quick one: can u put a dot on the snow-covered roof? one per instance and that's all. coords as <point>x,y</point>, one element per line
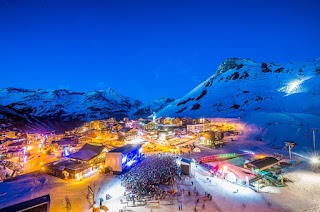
<point>125,129</point>
<point>127,148</point>
<point>87,152</point>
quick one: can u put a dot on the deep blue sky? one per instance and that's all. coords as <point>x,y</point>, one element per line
<point>146,49</point>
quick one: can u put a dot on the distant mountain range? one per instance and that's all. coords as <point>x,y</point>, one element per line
<point>65,109</point>
<point>276,97</point>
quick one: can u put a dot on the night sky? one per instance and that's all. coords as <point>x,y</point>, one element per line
<point>146,49</point>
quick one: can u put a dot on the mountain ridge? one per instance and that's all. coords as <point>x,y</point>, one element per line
<point>49,109</point>
<point>238,88</point>
<point>239,80</point>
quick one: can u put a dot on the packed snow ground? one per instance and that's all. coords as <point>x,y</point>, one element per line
<point>301,194</point>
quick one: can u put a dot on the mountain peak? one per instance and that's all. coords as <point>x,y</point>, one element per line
<point>233,63</point>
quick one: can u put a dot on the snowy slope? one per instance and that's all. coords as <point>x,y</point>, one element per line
<point>152,106</point>
<point>51,108</point>
<point>282,101</point>
<point>244,85</point>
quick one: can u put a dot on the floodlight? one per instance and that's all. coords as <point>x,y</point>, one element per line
<point>314,160</point>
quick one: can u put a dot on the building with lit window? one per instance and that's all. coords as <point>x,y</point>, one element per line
<point>84,163</point>
<point>196,128</point>
<point>122,158</point>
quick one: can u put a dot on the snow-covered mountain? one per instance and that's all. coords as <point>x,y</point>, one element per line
<point>281,100</point>
<point>244,85</point>
<point>49,109</point>
<point>154,106</point>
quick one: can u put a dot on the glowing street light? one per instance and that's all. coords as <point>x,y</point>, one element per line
<point>315,160</point>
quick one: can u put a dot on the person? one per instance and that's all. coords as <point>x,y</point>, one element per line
<point>203,206</point>
<point>191,183</point>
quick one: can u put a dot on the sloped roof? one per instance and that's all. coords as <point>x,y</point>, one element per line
<point>127,148</point>
<point>64,141</point>
<point>126,129</point>
<point>87,152</point>
<point>263,162</point>
<point>19,143</point>
<point>185,160</point>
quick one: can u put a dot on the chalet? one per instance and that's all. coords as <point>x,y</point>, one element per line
<point>13,142</point>
<point>111,121</point>
<point>85,139</point>
<point>196,128</point>
<point>116,127</point>
<point>177,122</point>
<point>160,120</point>
<point>94,125</point>
<point>186,121</point>
<point>81,164</point>
<point>90,153</point>
<point>163,135</point>
<point>92,133</point>
<point>168,121</point>
<point>150,125</point>
<point>129,133</point>
<point>64,142</point>
<point>103,124</point>
<point>15,145</point>
<point>11,134</point>
<point>201,121</point>
<point>106,132</point>
<point>68,169</point>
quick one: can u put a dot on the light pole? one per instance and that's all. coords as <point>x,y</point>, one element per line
<point>290,145</point>
<point>314,137</point>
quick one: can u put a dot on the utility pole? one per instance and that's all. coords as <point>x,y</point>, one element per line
<point>314,137</point>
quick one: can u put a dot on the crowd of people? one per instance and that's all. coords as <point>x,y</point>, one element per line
<point>152,177</point>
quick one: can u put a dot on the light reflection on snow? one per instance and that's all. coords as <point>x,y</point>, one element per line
<point>294,86</point>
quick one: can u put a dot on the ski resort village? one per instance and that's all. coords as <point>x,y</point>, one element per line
<point>159,106</point>
<point>158,164</point>
<point>245,139</point>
